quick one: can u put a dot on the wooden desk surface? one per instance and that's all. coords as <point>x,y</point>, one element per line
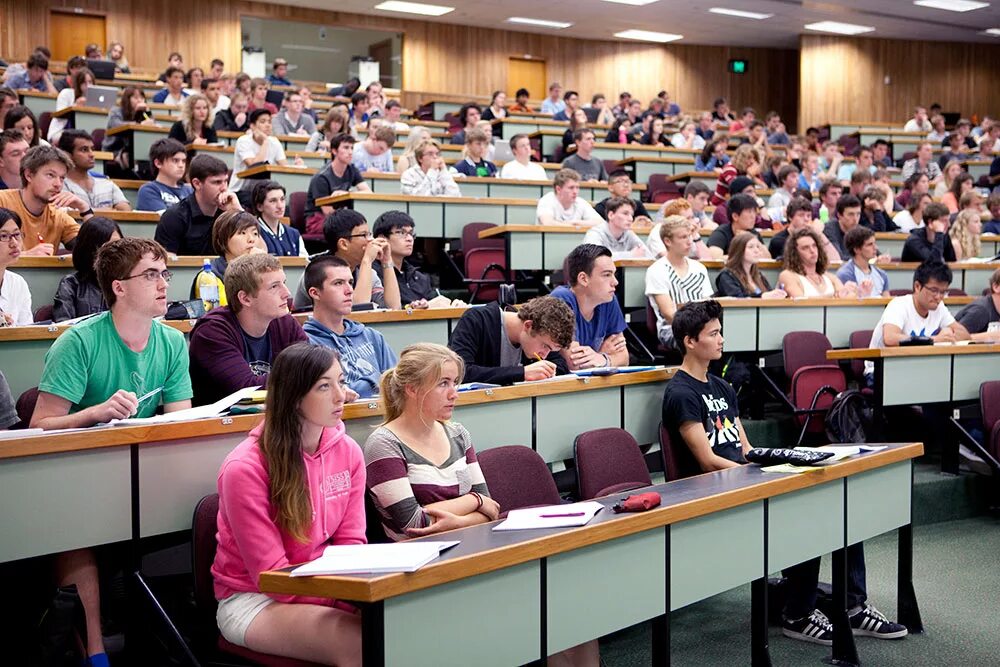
<point>136,127</point>
<point>383,176</point>
<point>123,216</point>
<point>501,230</point>
<point>936,350</point>
<point>678,155</point>
<point>50,443</point>
<point>68,111</point>
<point>31,92</point>
<point>367,196</point>
<point>263,169</point>
<point>481,550</point>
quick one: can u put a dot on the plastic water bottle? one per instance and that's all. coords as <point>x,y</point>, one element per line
<point>824,214</point>
<point>208,286</point>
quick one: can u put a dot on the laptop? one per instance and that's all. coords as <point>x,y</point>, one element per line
<point>104,70</point>
<point>275,97</point>
<point>502,152</point>
<point>101,97</point>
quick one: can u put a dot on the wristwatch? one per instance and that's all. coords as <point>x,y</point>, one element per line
<point>607,360</point>
<point>89,211</point>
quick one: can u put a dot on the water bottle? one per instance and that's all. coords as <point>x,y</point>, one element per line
<point>622,138</point>
<point>824,214</point>
<point>208,286</point>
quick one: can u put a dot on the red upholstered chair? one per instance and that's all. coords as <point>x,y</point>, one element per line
<point>44,313</point>
<point>900,292</point>
<point>203,545</point>
<point>44,120</point>
<point>813,380</point>
<point>989,404</point>
<point>678,461</point>
<point>485,263</point>
<point>857,340</point>
<point>517,477</point>
<point>659,189</point>
<point>297,210</point>
<point>956,291</point>
<point>25,406</point>
<point>608,460</point>
<point>98,137</point>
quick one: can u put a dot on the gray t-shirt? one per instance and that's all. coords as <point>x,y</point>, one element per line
<point>590,170</point>
<point>976,316</point>
<point>8,415</point>
<point>509,354</point>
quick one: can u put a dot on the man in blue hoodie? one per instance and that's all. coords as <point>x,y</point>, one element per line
<point>364,353</point>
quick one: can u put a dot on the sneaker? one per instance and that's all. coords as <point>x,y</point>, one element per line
<point>815,628</point>
<point>870,622</point>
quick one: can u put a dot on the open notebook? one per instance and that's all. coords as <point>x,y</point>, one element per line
<point>373,558</point>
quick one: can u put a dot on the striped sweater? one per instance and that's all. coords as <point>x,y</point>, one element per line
<point>401,481</point>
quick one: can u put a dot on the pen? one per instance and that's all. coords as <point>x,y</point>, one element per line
<point>559,516</point>
<point>149,394</point>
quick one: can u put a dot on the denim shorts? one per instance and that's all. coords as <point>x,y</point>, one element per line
<point>236,613</point>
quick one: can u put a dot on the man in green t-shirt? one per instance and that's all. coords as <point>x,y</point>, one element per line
<point>115,365</point>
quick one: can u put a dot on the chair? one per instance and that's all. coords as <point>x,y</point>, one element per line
<point>610,165</point>
<point>989,404</point>
<point>44,120</point>
<point>659,189</point>
<point>859,339</point>
<point>900,292</point>
<point>678,462</point>
<point>485,262</point>
<point>956,291</point>
<point>517,477</point>
<point>25,406</point>
<point>608,460</point>
<point>297,211</point>
<point>44,313</point>
<point>203,545</point>
<point>98,137</point>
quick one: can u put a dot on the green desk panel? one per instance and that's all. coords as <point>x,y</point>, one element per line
<point>560,418</point>
<point>400,334</point>
<point>974,281</point>
<point>131,193</point>
<point>776,322</point>
<point>23,361</point>
<point>716,552</point>
<point>970,371</point>
<point>588,597</point>
<point>500,423</point>
<point>878,501</point>
<point>456,216</point>
<point>507,628</point>
<point>643,411</point>
<point>525,251</point>
<point>472,189</point>
<point>428,217</point>
<point>88,122</point>
<point>841,321</point>
<point>516,190</point>
<point>360,429</point>
<point>739,328</point>
<point>633,287</point>
<point>805,523</point>
<point>39,105</point>
<point>520,214</point>
<point>77,499</point>
<point>138,228</point>
<point>557,247</point>
<point>913,380</point>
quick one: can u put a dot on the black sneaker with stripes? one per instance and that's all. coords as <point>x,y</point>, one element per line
<point>870,622</point>
<point>815,628</point>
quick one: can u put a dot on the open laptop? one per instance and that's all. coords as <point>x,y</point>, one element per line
<point>502,152</point>
<point>101,97</point>
<point>104,70</point>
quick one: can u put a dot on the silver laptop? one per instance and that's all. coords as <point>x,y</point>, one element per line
<point>502,152</point>
<point>102,97</point>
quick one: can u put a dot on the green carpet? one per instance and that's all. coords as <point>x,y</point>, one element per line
<point>956,567</point>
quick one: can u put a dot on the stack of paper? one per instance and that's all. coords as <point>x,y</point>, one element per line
<point>373,558</point>
<point>551,516</point>
<point>200,412</point>
<point>840,452</point>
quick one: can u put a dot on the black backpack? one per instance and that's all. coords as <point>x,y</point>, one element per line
<point>851,418</point>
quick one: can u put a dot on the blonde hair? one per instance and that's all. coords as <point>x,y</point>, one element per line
<point>419,366</point>
<point>672,224</point>
<point>959,232</point>
<point>187,115</point>
<point>744,156</point>
<point>423,147</point>
<point>243,275</point>
<point>418,135</point>
<point>675,207</point>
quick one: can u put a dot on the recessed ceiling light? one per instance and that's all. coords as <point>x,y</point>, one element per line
<point>558,25</point>
<point>649,36</point>
<point>414,8</point>
<point>952,5</point>
<point>993,31</point>
<point>637,3</point>
<point>839,28</point>
<point>740,13</point>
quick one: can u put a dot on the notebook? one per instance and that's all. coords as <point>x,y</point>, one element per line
<point>373,558</point>
<point>551,516</point>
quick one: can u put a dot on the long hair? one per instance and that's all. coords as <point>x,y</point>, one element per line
<point>793,261</point>
<point>334,115</point>
<point>294,372</point>
<point>187,115</point>
<point>737,250</point>
<point>418,135</point>
<point>959,231</point>
<point>94,233</point>
<point>128,111</point>
<point>419,366</point>
<point>744,156</point>
<point>956,184</point>
<point>79,79</point>
<point>16,115</point>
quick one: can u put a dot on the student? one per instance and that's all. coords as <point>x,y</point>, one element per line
<point>258,96</point>
<point>811,177</point>
<point>415,287</point>
<point>912,216</point>
<point>744,163</point>
<point>21,118</point>
<point>521,167</point>
<point>15,297</point>
<point>258,146</point>
<point>713,156</point>
<point>335,123</point>
<point>582,162</point>
<point>35,76</point>
<point>116,54</point>
<point>571,103</point>
<point>687,138</point>
<point>777,203</point>
<point>347,236</point>
<point>195,125</point>
<point>116,365</point>
<point>741,278</point>
<point>598,340</point>
<point>429,177</point>
<point>216,100</point>
<point>277,507</point>
<point>269,207</point>
<point>682,208</point>
<point>863,162</point>
<point>978,315</point>
<point>40,201</point>
<point>13,147</point>
<point>357,117</point>
<point>8,100</point>
<point>674,279</point>
<point>186,227</point>
<point>848,217</point>
<point>75,95</point>
<point>374,154</point>
<point>475,162</point>
<point>233,346</point>
<point>407,159</point>
<point>175,60</point>
<point>871,280</point>
<point>174,92</point>
<point>364,354</point>
<point>616,233</point>
<point>742,211</point>
<point>805,274</point>
<point>798,215</point>
<point>79,293</point>
<point>554,103</point>
<point>193,79</point>
<point>337,178</point>
<point>620,185</point>
<point>697,194</point>
<point>8,410</point>
<point>923,163</point>
<point>100,192</point>
<point>563,206</point>
<point>468,116</point>
<point>504,347</point>
<point>965,233</point>
<point>393,114</point>
<point>701,412</point>
<point>279,73</point>
<point>293,120</point>
<point>168,158</point>
<point>234,234</point>
<point>236,118</point>
<point>930,241</point>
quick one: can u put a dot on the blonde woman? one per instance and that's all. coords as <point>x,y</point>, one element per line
<point>965,234</point>
<point>429,176</point>
<point>745,162</point>
<point>418,135</point>
<point>195,125</point>
<point>950,171</point>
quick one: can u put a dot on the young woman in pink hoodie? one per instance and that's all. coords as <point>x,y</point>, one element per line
<point>294,486</point>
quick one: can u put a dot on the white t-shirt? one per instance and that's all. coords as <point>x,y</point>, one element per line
<point>246,147</point>
<point>15,298</point>
<point>532,171</point>
<point>901,312</point>
<point>579,210</point>
<point>662,278</point>
<point>104,195</point>
<point>64,100</point>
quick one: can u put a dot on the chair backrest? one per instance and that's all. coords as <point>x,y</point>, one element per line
<point>471,240</point>
<point>44,313</point>
<point>98,137</point>
<point>650,318</point>
<point>956,291</point>
<point>44,120</point>
<point>607,457</point>
<point>25,405</point>
<point>806,383</point>
<point>517,477</point>
<point>678,461</point>
<point>900,292</point>
<point>610,165</point>
<point>989,403</point>
<point>204,526</point>
<point>485,264</point>
<point>804,348</point>
<point>297,210</point>
<point>859,339</point>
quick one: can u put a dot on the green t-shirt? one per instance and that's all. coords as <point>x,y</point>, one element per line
<point>89,363</point>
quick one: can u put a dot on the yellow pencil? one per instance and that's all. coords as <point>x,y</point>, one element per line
<point>538,356</point>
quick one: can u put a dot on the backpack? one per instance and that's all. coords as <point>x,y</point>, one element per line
<point>851,418</point>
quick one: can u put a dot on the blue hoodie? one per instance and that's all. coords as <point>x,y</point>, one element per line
<point>363,353</point>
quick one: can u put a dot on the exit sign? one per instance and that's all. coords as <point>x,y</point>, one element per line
<point>738,66</point>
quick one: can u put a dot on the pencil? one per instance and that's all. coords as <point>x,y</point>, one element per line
<point>538,356</point>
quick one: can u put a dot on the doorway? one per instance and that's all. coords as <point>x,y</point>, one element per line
<point>526,73</point>
<point>69,33</point>
<point>382,52</point>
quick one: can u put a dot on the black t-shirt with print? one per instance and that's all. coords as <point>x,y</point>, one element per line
<point>713,404</point>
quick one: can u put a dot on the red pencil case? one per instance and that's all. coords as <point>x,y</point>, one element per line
<point>638,503</point>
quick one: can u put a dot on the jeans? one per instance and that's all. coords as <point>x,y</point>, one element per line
<point>801,582</point>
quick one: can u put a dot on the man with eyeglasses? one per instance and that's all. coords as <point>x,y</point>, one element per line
<point>416,290</point>
<point>347,237</point>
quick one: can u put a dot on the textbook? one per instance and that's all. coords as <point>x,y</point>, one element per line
<point>373,558</point>
<point>551,516</point>
<point>200,412</point>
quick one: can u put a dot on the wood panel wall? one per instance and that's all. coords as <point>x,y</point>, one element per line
<point>842,79</point>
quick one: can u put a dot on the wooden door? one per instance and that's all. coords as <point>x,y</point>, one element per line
<point>382,52</point>
<point>524,73</point>
<point>69,34</point>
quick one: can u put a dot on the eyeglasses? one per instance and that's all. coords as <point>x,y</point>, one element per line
<point>364,235</point>
<point>403,233</point>
<point>936,291</point>
<point>152,275</point>
<point>7,237</point>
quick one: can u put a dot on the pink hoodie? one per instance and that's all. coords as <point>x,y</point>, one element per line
<point>250,542</point>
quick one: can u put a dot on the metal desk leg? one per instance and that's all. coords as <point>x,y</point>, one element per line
<point>906,602</point>
<point>844,650</point>
<point>373,634</point>
<point>760,655</point>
